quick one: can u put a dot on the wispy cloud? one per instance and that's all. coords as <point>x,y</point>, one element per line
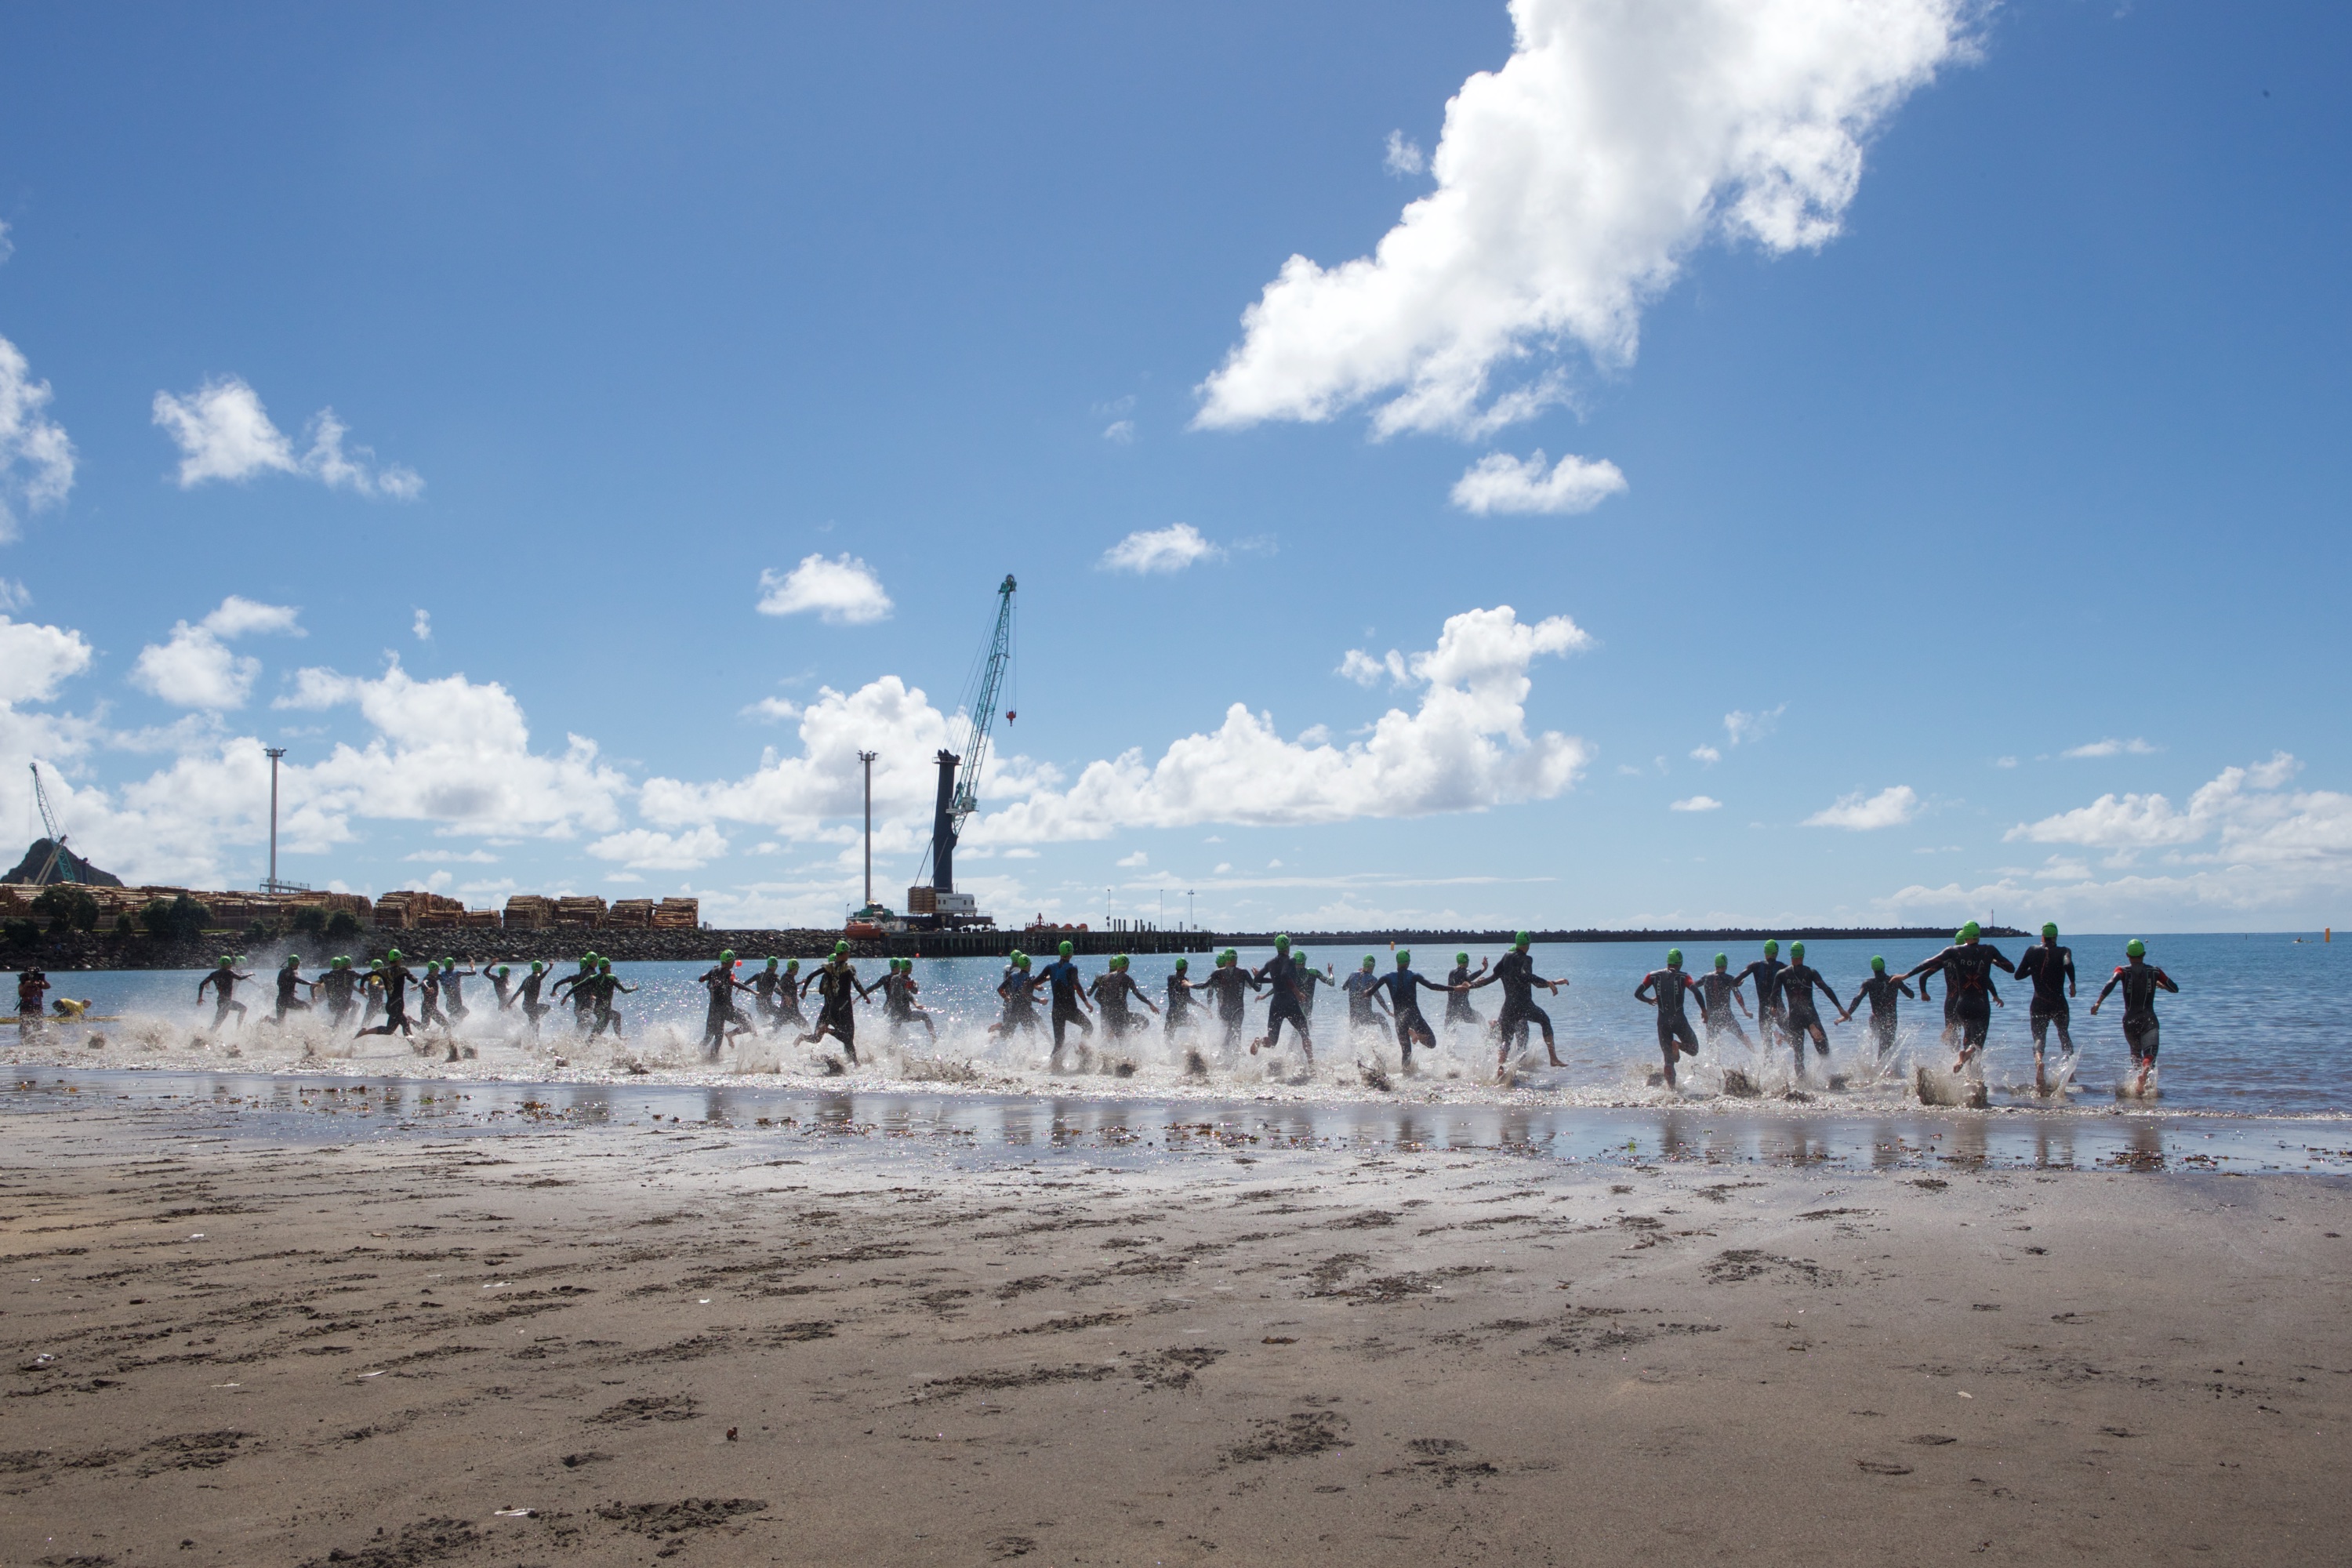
<point>1696,802</point>
<point>223,433</point>
<point>1154,549</point>
<point>1499,482</point>
<point>1403,156</point>
<point>1890,807</point>
<point>2135,747</point>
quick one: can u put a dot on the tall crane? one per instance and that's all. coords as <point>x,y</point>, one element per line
<point>960,794</point>
<point>60,865</point>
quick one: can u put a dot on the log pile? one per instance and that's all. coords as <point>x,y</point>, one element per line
<point>677,914</point>
<point>579,909</point>
<point>530,911</point>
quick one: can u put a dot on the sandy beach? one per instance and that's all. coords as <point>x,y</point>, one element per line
<point>301,1343</point>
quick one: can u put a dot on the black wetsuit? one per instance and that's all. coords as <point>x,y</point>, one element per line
<point>1515,972</point>
<point>1063,976</point>
<point>1715,990</point>
<point>1404,988</point>
<point>1769,1014</point>
<point>1177,1014</point>
<point>1675,1031</point>
<point>765,983</point>
<point>2051,969</point>
<point>1359,988</point>
<point>1281,973</point>
<point>533,1009</point>
<point>394,979</point>
<point>1799,1017</point>
<point>288,981</point>
<point>603,989</point>
<point>453,996</point>
<point>1457,1003</point>
<point>337,984</point>
<point>1020,1002</point>
<point>1111,989</point>
<point>784,1008</point>
<point>223,980</point>
<point>1881,990</point>
<point>1967,989</point>
<point>2140,982</point>
<point>584,995</point>
<point>721,1016</point>
<point>1228,983</point>
<point>838,990</point>
<point>431,991</point>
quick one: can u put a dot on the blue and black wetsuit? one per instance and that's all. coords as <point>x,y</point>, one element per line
<point>1281,973</point>
<point>1068,983</point>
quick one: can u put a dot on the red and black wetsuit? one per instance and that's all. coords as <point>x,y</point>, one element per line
<point>1967,988</point>
<point>1794,989</point>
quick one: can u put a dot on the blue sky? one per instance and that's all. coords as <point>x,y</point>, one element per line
<point>1940,412</point>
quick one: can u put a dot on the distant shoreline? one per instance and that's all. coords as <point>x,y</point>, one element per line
<point>470,944</point>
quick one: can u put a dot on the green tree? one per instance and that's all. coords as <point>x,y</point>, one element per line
<point>69,907</point>
<point>181,918</point>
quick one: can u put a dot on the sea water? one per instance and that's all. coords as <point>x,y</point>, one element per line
<point>2262,1027</point>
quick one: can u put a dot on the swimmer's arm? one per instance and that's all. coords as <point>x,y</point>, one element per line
<point>1642,992</point>
<point>2166,980</point>
<point>2070,976</point>
<point>2112,981</point>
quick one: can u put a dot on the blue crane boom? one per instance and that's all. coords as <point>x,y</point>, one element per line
<point>959,772</point>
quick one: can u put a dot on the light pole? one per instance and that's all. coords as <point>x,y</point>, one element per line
<point>867,757</point>
<point>274,753</point>
<point>1187,909</point>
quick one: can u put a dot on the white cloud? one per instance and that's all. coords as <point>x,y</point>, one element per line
<point>1499,482</point>
<point>2004,762</point>
<point>2112,748</point>
<point>775,710</point>
<point>37,461</point>
<point>843,590</point>
<point>1149,550</point>
<point>194,667</point>
<point>14,596</point>
<point>1463,749</point>
<point>1696,802</point>
<point>1403,156</point>
<point>1119,432</point>
<point>7,246</point>
<point>1365,670</point>
<point>645,850</point>
<point>421,628</point>
<point>2246,848</point>
<point>1136,861</point>
<point>1570,184</point>
<point>1890,807</point>
<point>1744,727</point>
<point>35,660</point>
<point>223,433</point>
<point>1706,754</point>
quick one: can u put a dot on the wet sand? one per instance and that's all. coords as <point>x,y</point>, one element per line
<point>309,1342</point>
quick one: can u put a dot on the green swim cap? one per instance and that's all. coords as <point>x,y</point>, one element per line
<point>2049,928</point>
<point>605,966</point>
<point>293,961</point>
<point>789,964</point>
<point>1796,950</point>
<point>1878,965</point>
<point>1461,958</point>
<point>1067,949</point>
<point>1404,958</point>
<point>240,958</point>
<point>534,966</point>
<point>2135,949</point>
<point>1367,961</point>
<point>341,961</point>
<point>375,963</point>
<point>1521,939</point>
<point>391,957</point>
<point>448,963</point>
<point>726,955</point>
<point>1020,961</point>
<point>1723,960</point>
<point>1119,962</point>
<point>1674,958</point>
<point>223,961</point>
<point>771,964</point>
<point>1972,931</point>
<point>504,971</point>
<point>1771,949</point>
<point>841,947</point>
<point>1182,964</point>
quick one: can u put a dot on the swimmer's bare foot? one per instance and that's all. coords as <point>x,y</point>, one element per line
<point>1557,1063</point>
<point>1256,1044</point>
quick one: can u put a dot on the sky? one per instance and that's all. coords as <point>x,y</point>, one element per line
<point>1576,464</point>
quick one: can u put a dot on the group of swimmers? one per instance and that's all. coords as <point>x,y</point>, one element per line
<point>1290,979</point>
<point>1786,1013</point>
